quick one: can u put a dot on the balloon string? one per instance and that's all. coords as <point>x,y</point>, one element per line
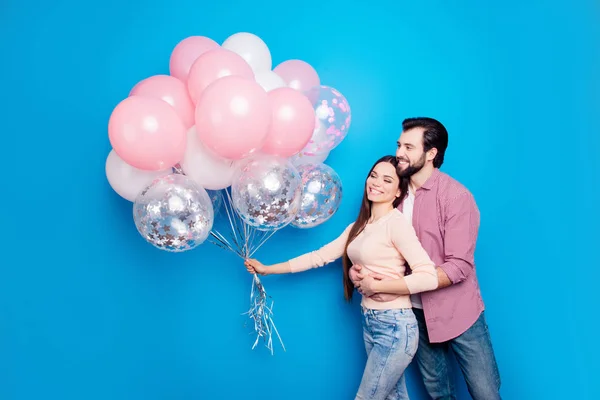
<point>262,315</point>
<point>263,241</point>
<point>259,312</point>
<point>242,244</point>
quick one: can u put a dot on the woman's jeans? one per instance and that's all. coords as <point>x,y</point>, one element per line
<point>391,340</point>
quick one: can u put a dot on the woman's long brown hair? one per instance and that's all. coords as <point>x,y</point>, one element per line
<point>363,217</point>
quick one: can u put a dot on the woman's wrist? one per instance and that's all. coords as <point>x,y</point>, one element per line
<point>377,286</point>
<point>392,286</point>
<point>276,269</point>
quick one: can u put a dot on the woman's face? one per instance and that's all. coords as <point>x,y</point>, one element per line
<point>383,184</point>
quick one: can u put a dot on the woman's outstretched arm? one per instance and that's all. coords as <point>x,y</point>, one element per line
<point>314,259</point>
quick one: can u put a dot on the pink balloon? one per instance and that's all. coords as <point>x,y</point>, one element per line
<point>171,90</point>
<point>147,133</point>
<point>298,74</point>
<point>293,122</point>
<point>215,64</point>
<point>233,117</point>
<point>186,52</point>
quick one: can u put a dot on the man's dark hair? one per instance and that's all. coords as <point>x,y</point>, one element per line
<point>434,135</point>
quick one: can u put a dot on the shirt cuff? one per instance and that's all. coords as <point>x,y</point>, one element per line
<point>453,271</point>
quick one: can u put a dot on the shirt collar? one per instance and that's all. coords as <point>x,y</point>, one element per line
<point>430,182</point>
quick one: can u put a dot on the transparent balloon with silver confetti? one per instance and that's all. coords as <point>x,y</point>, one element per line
<point>321,195</point>
<point>266,192</point>
<point>332,120</point>
<point>173,213</point>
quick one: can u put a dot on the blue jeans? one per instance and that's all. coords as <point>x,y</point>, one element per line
<point>391,340</point>
<point>475,356</point>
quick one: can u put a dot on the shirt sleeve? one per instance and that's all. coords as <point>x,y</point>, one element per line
<point>404,238</point>
<point>325,255</point>
<point>461,229</point>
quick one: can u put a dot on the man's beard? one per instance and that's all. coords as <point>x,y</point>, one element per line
<point>411,169</point>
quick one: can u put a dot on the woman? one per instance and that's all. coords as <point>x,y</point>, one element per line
<point>382,240</point>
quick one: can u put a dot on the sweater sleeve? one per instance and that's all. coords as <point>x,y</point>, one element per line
<point>404,238</point>
<point>325,255</point>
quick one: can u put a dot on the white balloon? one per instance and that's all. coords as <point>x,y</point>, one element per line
<point>252,49</point>
<point>126,180</point>
<point>269,80</point>
<point>205,167</point>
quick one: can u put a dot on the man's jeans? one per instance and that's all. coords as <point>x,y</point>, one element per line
<point>391,339</point>
<point>475,356</point>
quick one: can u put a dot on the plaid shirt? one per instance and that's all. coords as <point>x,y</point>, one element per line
<point>446,219</point>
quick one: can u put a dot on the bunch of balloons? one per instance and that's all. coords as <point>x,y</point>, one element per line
<point>225,119</point>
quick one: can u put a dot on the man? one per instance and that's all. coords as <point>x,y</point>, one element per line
<point>446,220</point>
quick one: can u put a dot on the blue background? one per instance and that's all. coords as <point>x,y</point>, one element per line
<point>88,310</point>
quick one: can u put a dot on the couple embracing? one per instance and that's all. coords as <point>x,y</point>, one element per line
<point>410,254</point>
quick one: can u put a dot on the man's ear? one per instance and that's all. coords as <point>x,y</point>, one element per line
<point>431,154</point>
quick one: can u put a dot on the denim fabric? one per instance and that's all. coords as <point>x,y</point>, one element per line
<point>391,340</point>
<point>475,355</point>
